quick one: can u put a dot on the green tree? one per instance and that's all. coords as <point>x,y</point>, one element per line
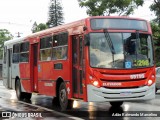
<point>39,27</point>
<point>34,27</point>
<point>42,26</point>
<point>156,38</point>
<point>4,36</point>
<point>156,8</point>
<point>108,7</point>
<point>55,14</point>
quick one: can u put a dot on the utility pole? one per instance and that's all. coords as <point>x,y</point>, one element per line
<point>18,34</point>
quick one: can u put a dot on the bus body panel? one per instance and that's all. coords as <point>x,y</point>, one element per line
<point>13,70</point>
<point>15,73</point>
<point>48,75</point>
<point>43,77</point>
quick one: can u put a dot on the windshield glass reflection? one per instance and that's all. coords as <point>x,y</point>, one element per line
<point>130,50</point>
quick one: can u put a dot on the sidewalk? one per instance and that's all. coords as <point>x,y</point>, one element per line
<point>1,82</point>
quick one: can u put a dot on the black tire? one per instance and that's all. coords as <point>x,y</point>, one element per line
<point>27,96</point>
<point>156,90</point>
<point>55,100</point>
<point>19,93</point>
<point>63,98</point>
<point>55,103</point>
<point>70,104</point>
<point>22,95</point>
<point>116,104</point>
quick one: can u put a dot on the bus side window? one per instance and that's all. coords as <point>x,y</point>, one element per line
<point>64,52</point>
<point>45,48</point>
<point>60,46</point>
<point>16,54</point>
<point>55,49</point>
<point>24,52</point>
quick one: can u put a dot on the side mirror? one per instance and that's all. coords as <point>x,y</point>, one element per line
<point>86,40</point>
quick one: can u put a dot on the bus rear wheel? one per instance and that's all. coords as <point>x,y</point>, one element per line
<point>63,98</point>
<point>22,95</point>
<point>116,104</point>
<point>19,93</point>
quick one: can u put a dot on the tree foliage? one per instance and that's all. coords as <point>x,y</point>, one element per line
<point>155,24</point>
<point>55,14</point>
<point>34,27</point>
<point>107,7</point>
<point>156,38</point>
<point>156,8</point>
<point>4,36</point>
<point>39,27</point>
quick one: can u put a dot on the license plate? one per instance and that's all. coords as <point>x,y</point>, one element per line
<point>127,93</point>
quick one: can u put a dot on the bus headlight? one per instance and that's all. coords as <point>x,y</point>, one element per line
<point>149,83</point>
<point>94,81</point>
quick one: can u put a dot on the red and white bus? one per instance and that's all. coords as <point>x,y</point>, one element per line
<point>97,59</point>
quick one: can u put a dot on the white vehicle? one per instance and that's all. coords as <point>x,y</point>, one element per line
<point>157,78</point>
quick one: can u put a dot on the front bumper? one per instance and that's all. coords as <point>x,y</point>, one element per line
<point>104,94</point>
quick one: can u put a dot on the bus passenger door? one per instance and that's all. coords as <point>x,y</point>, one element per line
<point>77,53</point>
<point>34,67</point>
<point>9,69</point>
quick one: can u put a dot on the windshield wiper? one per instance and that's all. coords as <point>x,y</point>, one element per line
<point>137,41</point>
<point>109,41</point>
<point>137,44</point>
<point>107,36</point>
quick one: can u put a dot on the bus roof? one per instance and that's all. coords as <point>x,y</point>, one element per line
<point>77,23</point>
<point>63,28</point>
<point>16,40</point>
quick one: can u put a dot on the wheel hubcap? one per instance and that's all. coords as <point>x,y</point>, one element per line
<point>63,95</point>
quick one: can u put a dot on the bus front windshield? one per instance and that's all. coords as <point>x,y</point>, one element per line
<point>120,50</point>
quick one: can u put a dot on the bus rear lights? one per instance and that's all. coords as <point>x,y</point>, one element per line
<point>149,83</point>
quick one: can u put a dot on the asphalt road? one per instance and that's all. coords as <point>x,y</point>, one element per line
<point>42,106</point>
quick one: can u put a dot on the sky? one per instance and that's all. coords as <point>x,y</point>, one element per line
<point>19,15</point>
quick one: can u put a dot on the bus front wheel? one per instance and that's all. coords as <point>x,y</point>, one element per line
<point>63,98</point>
<point>116,104</point>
